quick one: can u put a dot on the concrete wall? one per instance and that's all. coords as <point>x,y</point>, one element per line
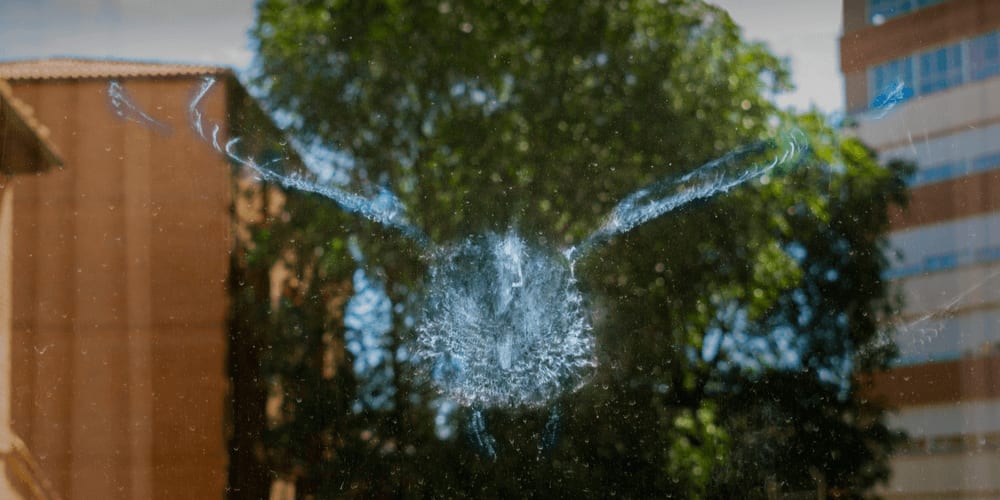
<point>120,261</point>
<point>955,475</point>
<point>978,418</point>
<point>963,290</point>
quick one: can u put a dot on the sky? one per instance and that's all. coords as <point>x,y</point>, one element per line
<point>807,32</point>
<point>215,32</point>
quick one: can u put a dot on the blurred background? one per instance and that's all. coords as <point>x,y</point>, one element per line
<point>174,323</point>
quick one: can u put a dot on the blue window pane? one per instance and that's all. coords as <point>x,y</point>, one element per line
<point>890,79</point>
<point>940,69</point>
<point>880,11</point>
<point>986,162</point>
<point>902,272</point>
<point>984,56</point>
<point>938,173</point>
<point>988,254</point>
<point>940,262</point>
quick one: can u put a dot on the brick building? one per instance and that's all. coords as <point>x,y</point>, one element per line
<point>942,59</point>
<point>24,150</point>
<point>118,338</point>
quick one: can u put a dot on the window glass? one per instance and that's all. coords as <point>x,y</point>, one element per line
<point>937,247</point>
<point>986,162</point>
<point>984,56</point>
<point>887,77</point>
<point>968,152</point>
<point>939,173</point>
<point>478,249</point>
<point>880,11</point>
<point>934,70</point>
<point>940,69</point>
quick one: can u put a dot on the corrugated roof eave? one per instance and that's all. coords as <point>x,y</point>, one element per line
<point>22,120</point>
<point>81,69</point>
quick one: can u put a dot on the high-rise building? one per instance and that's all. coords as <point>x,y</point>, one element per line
<point>922,82</point>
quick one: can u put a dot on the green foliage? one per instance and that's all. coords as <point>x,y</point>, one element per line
<point>540,116</point>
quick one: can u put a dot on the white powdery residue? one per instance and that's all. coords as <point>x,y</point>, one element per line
<point>126,108</point>
<point>715,177</point>
<point>893,95</point>
<point>509,270</point>
<point>482,439</point>
<point>385,208</point>
<point>504,325</point>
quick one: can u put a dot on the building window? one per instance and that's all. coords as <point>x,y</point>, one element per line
<point>880,11</point>
<point>939,173</point>
<point>885,78</point>
<point>986,162</point>
<point>940,262</point>
<point>937,69</point>
<point>984,56</point>
<point>940,69</point>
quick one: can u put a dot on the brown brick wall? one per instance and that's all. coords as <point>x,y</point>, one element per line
<point>949,200</point>
<point>856,91</point>
<point>929,27</point>
<point>855,15</point>
<point>120,261</point>
<point>967,379</point>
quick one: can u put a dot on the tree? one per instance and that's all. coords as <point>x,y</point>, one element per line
<point>739,324</point>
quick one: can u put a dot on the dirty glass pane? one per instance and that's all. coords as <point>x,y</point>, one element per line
<point>644,249</point>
